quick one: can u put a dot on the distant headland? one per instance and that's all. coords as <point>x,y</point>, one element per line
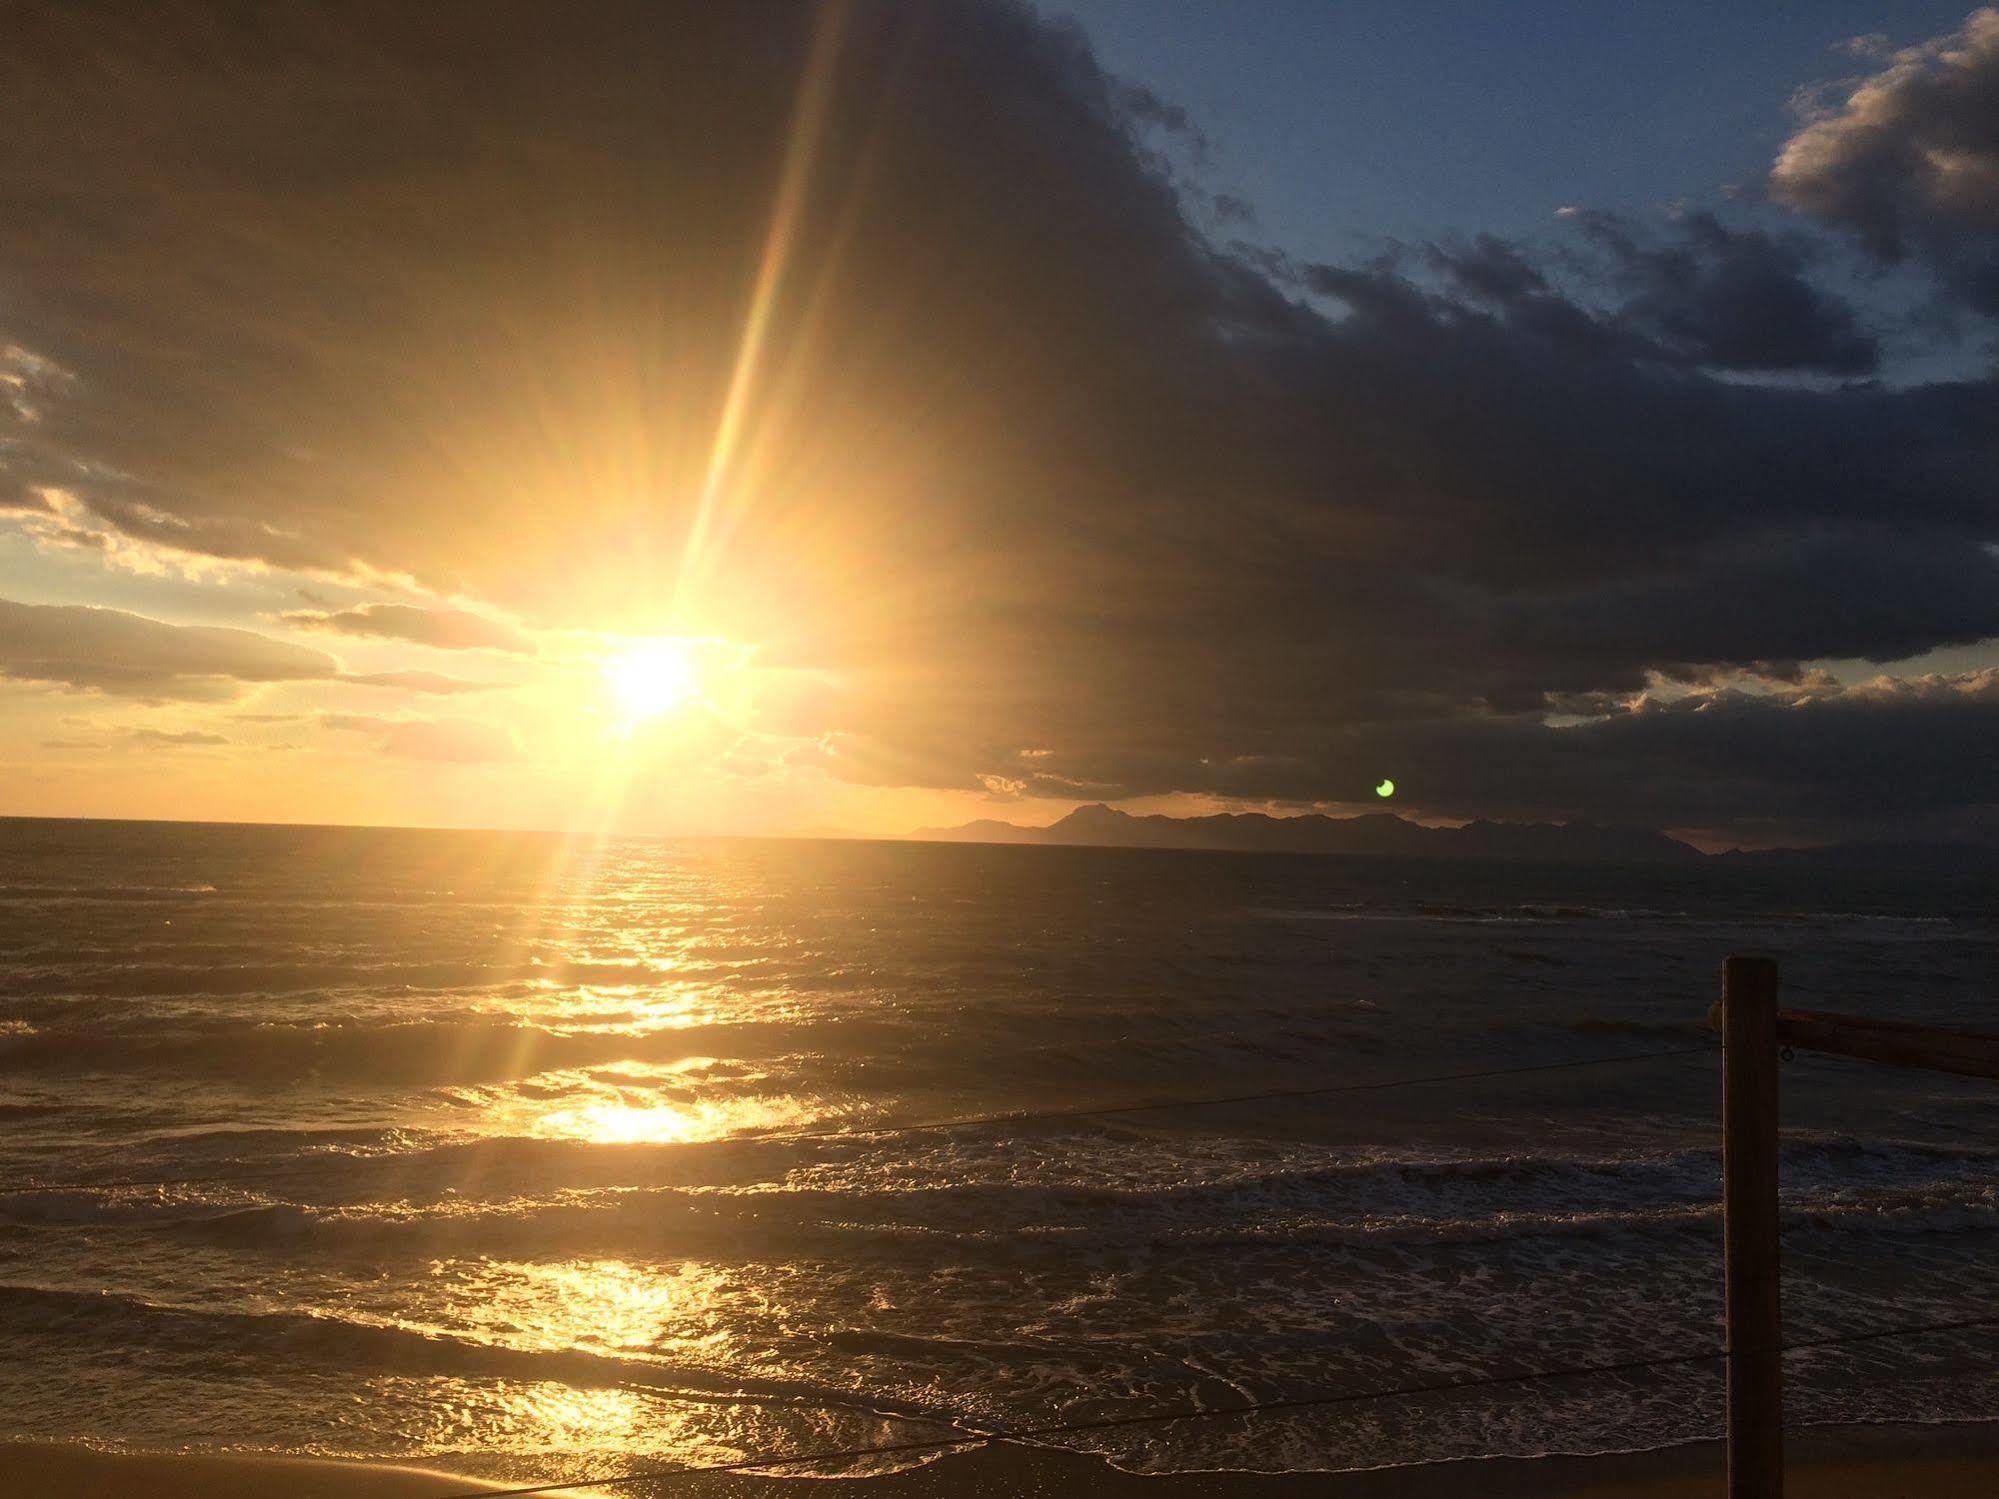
<point>1385,834</point>
<point>1380,833</point>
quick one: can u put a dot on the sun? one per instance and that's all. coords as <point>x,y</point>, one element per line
<point>654,678</point>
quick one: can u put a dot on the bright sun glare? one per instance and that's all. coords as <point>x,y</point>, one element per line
<point>654,678</point>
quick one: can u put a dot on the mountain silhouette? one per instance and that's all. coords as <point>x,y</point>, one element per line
<point>1382,833</point>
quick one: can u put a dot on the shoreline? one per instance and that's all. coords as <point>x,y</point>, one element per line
<point>1946,1460</point>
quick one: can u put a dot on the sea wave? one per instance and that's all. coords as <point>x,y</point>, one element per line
<point>422,1052</point>
<point>28,891</point>
<point>278,976</point>
<point>357,1344</point>
<point>789,1196</point>
<point>381,1057</point>
<point>1535,913</point>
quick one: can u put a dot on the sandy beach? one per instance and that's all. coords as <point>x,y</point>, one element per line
<point>44,1470</point>
<point>1884,1462</point>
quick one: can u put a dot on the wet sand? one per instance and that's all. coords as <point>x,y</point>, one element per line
<point>43,1470</point>
<point>1895,1462</point>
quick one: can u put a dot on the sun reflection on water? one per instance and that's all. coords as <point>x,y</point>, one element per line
<point>612,1304</point>
<point>553,1432</point>
<point>631,1102</point>
<point>655,1123</point>
<point>636,1009</point>
<point>690,1338</point>
<point>548,1432</point>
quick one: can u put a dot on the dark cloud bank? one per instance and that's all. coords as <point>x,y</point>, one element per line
<point>1075,501</point>
<point>88,649</point>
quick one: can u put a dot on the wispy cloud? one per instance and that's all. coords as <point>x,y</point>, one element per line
<point>457,741</point>
<point>443,629</point>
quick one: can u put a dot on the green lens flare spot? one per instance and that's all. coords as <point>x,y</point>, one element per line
<point>1386,788</point>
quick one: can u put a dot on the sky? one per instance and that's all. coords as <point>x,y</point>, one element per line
<point>1472,116</point>
<point>679,418</point>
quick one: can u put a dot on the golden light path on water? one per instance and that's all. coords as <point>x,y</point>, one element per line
<point>658,1089</point>
<point>627,1072</point>
<point>638,1078</point>
<point>633,1113</point>
<point>682,1313</point>
<point>609,1305</point>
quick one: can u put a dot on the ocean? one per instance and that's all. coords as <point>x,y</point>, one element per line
<point>530,1157</point>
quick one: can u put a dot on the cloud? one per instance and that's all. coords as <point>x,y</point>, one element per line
<point>128,655</point>
<point>457,741</point>
<point>1490,269</point>
<point>182,739</point>
<point>1025,459</point>
<point>1700,293</point>
<point>28,382</point>
<point>1731,299</point>
<point>1144,108</point>
<point>417,681</point>
<point>444,629</point>
<point>1908,163</point>
<point>1781,762</point>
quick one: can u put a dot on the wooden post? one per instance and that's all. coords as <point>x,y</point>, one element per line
<point>1749,1213</point>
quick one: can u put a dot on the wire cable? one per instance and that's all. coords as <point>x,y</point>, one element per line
<point>969,1121</point>
<point>1203,1413</point>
